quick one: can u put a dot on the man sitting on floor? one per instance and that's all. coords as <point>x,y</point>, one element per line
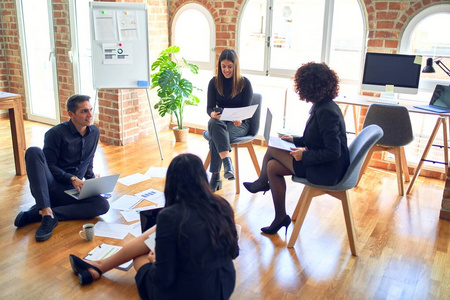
<point>67,158</point>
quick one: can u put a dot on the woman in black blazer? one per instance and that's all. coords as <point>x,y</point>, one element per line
<point>322,155</point>
<point>196,241</point>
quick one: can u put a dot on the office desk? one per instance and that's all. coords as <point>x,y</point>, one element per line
<point>13,103</point>
<point>357,102</point>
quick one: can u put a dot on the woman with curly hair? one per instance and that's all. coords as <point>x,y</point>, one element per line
<point>321,156</point>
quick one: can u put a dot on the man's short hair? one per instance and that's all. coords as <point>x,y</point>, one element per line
<point>72,103</point>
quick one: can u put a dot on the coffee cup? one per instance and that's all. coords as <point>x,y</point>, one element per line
<point>88,232</point>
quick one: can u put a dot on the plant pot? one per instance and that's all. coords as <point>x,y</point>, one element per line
<point>180,134</point>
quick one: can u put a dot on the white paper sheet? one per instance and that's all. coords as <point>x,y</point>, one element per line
<point>130,215</point>
<point>106,250</point>
<point>239,113</point>
<point>154,196</point>
<point>156,172</point>
<point>126,202</point>
<point>150,242</point>
<point>133,179</point>
<point>135,229</point>
<point>111,230</point>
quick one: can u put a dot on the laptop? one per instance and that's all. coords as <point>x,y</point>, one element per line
<point>275,142</point>
<point>440,101</point>
<point>95,187</point>
<point>148,218</point>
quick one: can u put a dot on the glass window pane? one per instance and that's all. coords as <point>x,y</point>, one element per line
<point>252,36</point>
<point>39,58</point>
<point>347,39</point>
<point>192,35</point>
<point>430,38</point>
<point>83,35</point>
<point>297,32</point>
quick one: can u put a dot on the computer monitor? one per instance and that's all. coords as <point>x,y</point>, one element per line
<point>382,71</point>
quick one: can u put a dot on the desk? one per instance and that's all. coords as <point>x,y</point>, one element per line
<point>13,103</point>
<point>362,101</point>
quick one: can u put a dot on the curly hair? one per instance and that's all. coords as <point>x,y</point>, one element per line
<point>314,82</point>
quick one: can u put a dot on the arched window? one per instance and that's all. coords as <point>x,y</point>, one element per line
<point>427,35</point>
<point>194,32</point>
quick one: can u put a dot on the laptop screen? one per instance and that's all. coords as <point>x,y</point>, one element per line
<point>441,96</point>
<point>267,126</point>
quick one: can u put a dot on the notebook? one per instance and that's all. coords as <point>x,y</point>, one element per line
<point>275,142</point>
<point>95,187</point>
<point>440,101</point>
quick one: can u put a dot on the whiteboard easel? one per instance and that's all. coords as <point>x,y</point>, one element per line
<point>120,54</point>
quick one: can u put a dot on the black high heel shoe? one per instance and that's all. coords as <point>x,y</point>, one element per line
<point>250,187</point>
<point>215,183</point>
<point>228,171</point>
<point>274,228</point>
<point>80,268</point>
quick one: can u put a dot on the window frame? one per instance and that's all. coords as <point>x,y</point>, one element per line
<point>426,84</point>
<point>207,14</point>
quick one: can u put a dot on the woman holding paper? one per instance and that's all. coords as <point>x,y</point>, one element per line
<point>322,155</point>
<point>229,89</point>
<point>196,241</point>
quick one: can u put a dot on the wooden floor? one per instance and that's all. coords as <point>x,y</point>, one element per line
<point>403,245</point>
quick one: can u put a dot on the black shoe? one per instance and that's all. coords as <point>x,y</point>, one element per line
<point>28,217</point>
<point>215,183</point>
<point>228,171</point>
<point>44,232</point>
<point>80,268</point>
<point>253,188</point>
<point>274,228</point>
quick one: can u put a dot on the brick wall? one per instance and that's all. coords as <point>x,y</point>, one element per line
<point>11,77</point>
<point>119,123</point>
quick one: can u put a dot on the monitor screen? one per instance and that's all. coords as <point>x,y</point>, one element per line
<point>382,71</point>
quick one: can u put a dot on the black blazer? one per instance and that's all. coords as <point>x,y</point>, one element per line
<point>193,270</point>
<point>326,158</point>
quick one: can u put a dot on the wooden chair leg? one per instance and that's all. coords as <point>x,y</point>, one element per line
<point>404,164</point>
<point>304,202</point>
<point>344,197</point>
<point>252,153</point>
<point>398,169</point>
<point>236,168</point>
<point>365,164</point>
<point>207,160</point>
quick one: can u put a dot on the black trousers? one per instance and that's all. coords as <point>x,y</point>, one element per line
<point>222,134</point>
<point>48,192</point>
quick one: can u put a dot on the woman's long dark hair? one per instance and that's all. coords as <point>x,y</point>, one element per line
<point>187,185</point>
<point>238,80</point>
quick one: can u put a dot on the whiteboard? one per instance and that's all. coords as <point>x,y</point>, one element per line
<point>119,42</point>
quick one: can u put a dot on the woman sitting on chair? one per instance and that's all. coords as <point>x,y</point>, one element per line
<point>322,156</point>
<point>226,90</point>
<point>196,240</point>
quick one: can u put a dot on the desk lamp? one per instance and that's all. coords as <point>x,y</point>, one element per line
<point>429,67</point>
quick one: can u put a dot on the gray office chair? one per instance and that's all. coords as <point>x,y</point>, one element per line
<point>358,151</point>
<point>243,142</point>
<point>396,124</point>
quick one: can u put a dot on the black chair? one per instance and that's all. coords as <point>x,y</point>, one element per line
<point>243,142</point>
<point>396,125</point>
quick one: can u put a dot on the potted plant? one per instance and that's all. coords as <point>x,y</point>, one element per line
<point>174,91</point>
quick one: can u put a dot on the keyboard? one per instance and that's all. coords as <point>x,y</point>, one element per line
<point>383,100</point>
